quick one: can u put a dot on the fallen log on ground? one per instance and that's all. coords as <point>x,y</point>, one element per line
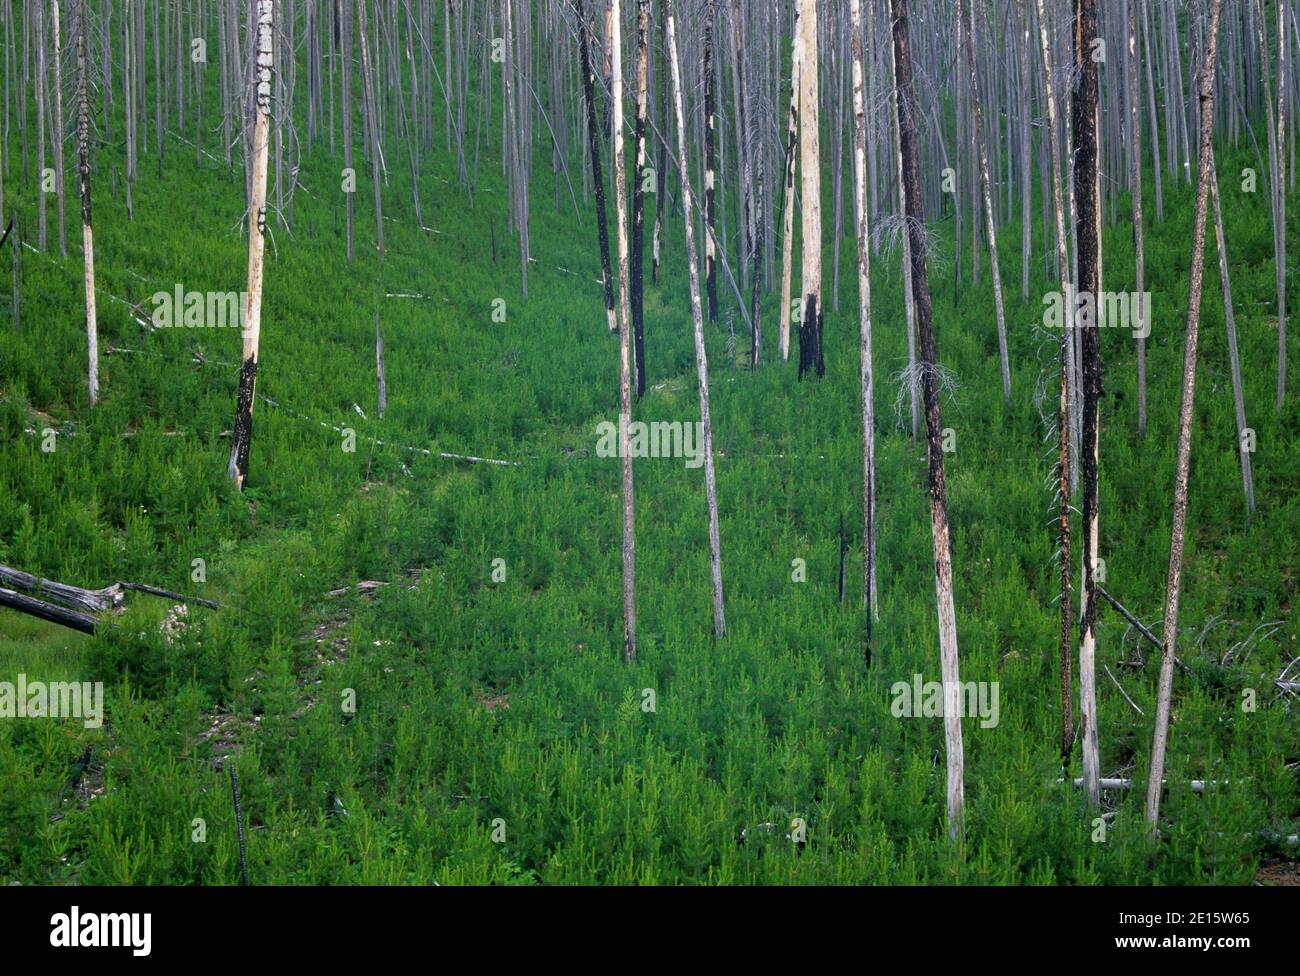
<point>75,606</point>
<point>83,622</point>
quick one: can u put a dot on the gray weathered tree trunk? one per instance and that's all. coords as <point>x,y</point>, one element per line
<point>701,359</point>
<point>87,237</point>
<point>915,218</point>
<point>863,233</point>
<point>624,343</point>
<point>1173,581</point>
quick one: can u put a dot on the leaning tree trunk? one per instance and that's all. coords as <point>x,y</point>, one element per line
<point>242,438</point>
<point>701,360</point>
<point>87,238</point>
<point>810,325</point>
<point>624,344</point>
<point>915,218</point>
<point>593,138</point>
<point>864,320</point>
<point>1173,582</point>
<point>990,227</point>
<point>1234,360</point>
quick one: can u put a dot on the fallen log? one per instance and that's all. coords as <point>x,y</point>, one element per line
<point>75,606</point>
<point>65,595</point>
<point>48,611</point>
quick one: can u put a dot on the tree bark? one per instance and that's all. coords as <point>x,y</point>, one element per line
<point>593,137</point>
<point>615,55</point>
<point>863,233</point>
<point>701,360</point>
<point>1173,581</point>
<point>991,233</point>
<point>242,437</point>
<point>638,194</point>
<point>372,126</point>
<point>87,237</point>
<point>810,326</point>
<point>787,210</point>
<point>915,218</point>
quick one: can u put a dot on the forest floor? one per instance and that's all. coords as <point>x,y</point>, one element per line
<point>472,720</point>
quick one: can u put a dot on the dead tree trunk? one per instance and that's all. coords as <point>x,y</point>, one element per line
<point>242,438</point>
<point>624,341</point>
<point>1173,581</point>
<point>1064,408</point>
<point>863,232</point>
<point>58,126</point>
<point>1234,360</point>
<point>372,126</point>
<point>701,360</point>
<point>710,160</point>
<point>990,227</point>
<point>638,193</point>
<point>787,211</point>
<point>1086,231</point>
<point>593,137</point>
<point>915,227</point>
<point>87,237</point>
<point>810,326</point>
<point>1135,186</point>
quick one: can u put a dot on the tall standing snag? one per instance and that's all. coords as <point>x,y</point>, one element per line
<point>1173,581</point>
<point>1089,274</point>
<point>990,226</point>
<point>787,206</point>
<point>242,438</point>
<point>915,217</point>
<point>864,319</point>
<point>701,360</point>
<point>593,138</point>
<point>624,343</point>
<point>638,193</point>
<point>83,178</point>
<point>810,325</point>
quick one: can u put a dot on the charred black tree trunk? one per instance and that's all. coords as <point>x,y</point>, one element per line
<point>638,194</point>
<point>710,164</point>
<point>593,134</point>
<point>1086,227</point>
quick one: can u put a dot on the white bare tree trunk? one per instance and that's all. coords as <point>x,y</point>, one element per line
<point>701,360</point>
<point>864,317</point>
<point>615,54</point>
<point>810,331</point>
<point>241,440</point>
<point>989,225</point>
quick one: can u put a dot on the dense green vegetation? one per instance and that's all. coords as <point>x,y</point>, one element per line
<point>480,701</point>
